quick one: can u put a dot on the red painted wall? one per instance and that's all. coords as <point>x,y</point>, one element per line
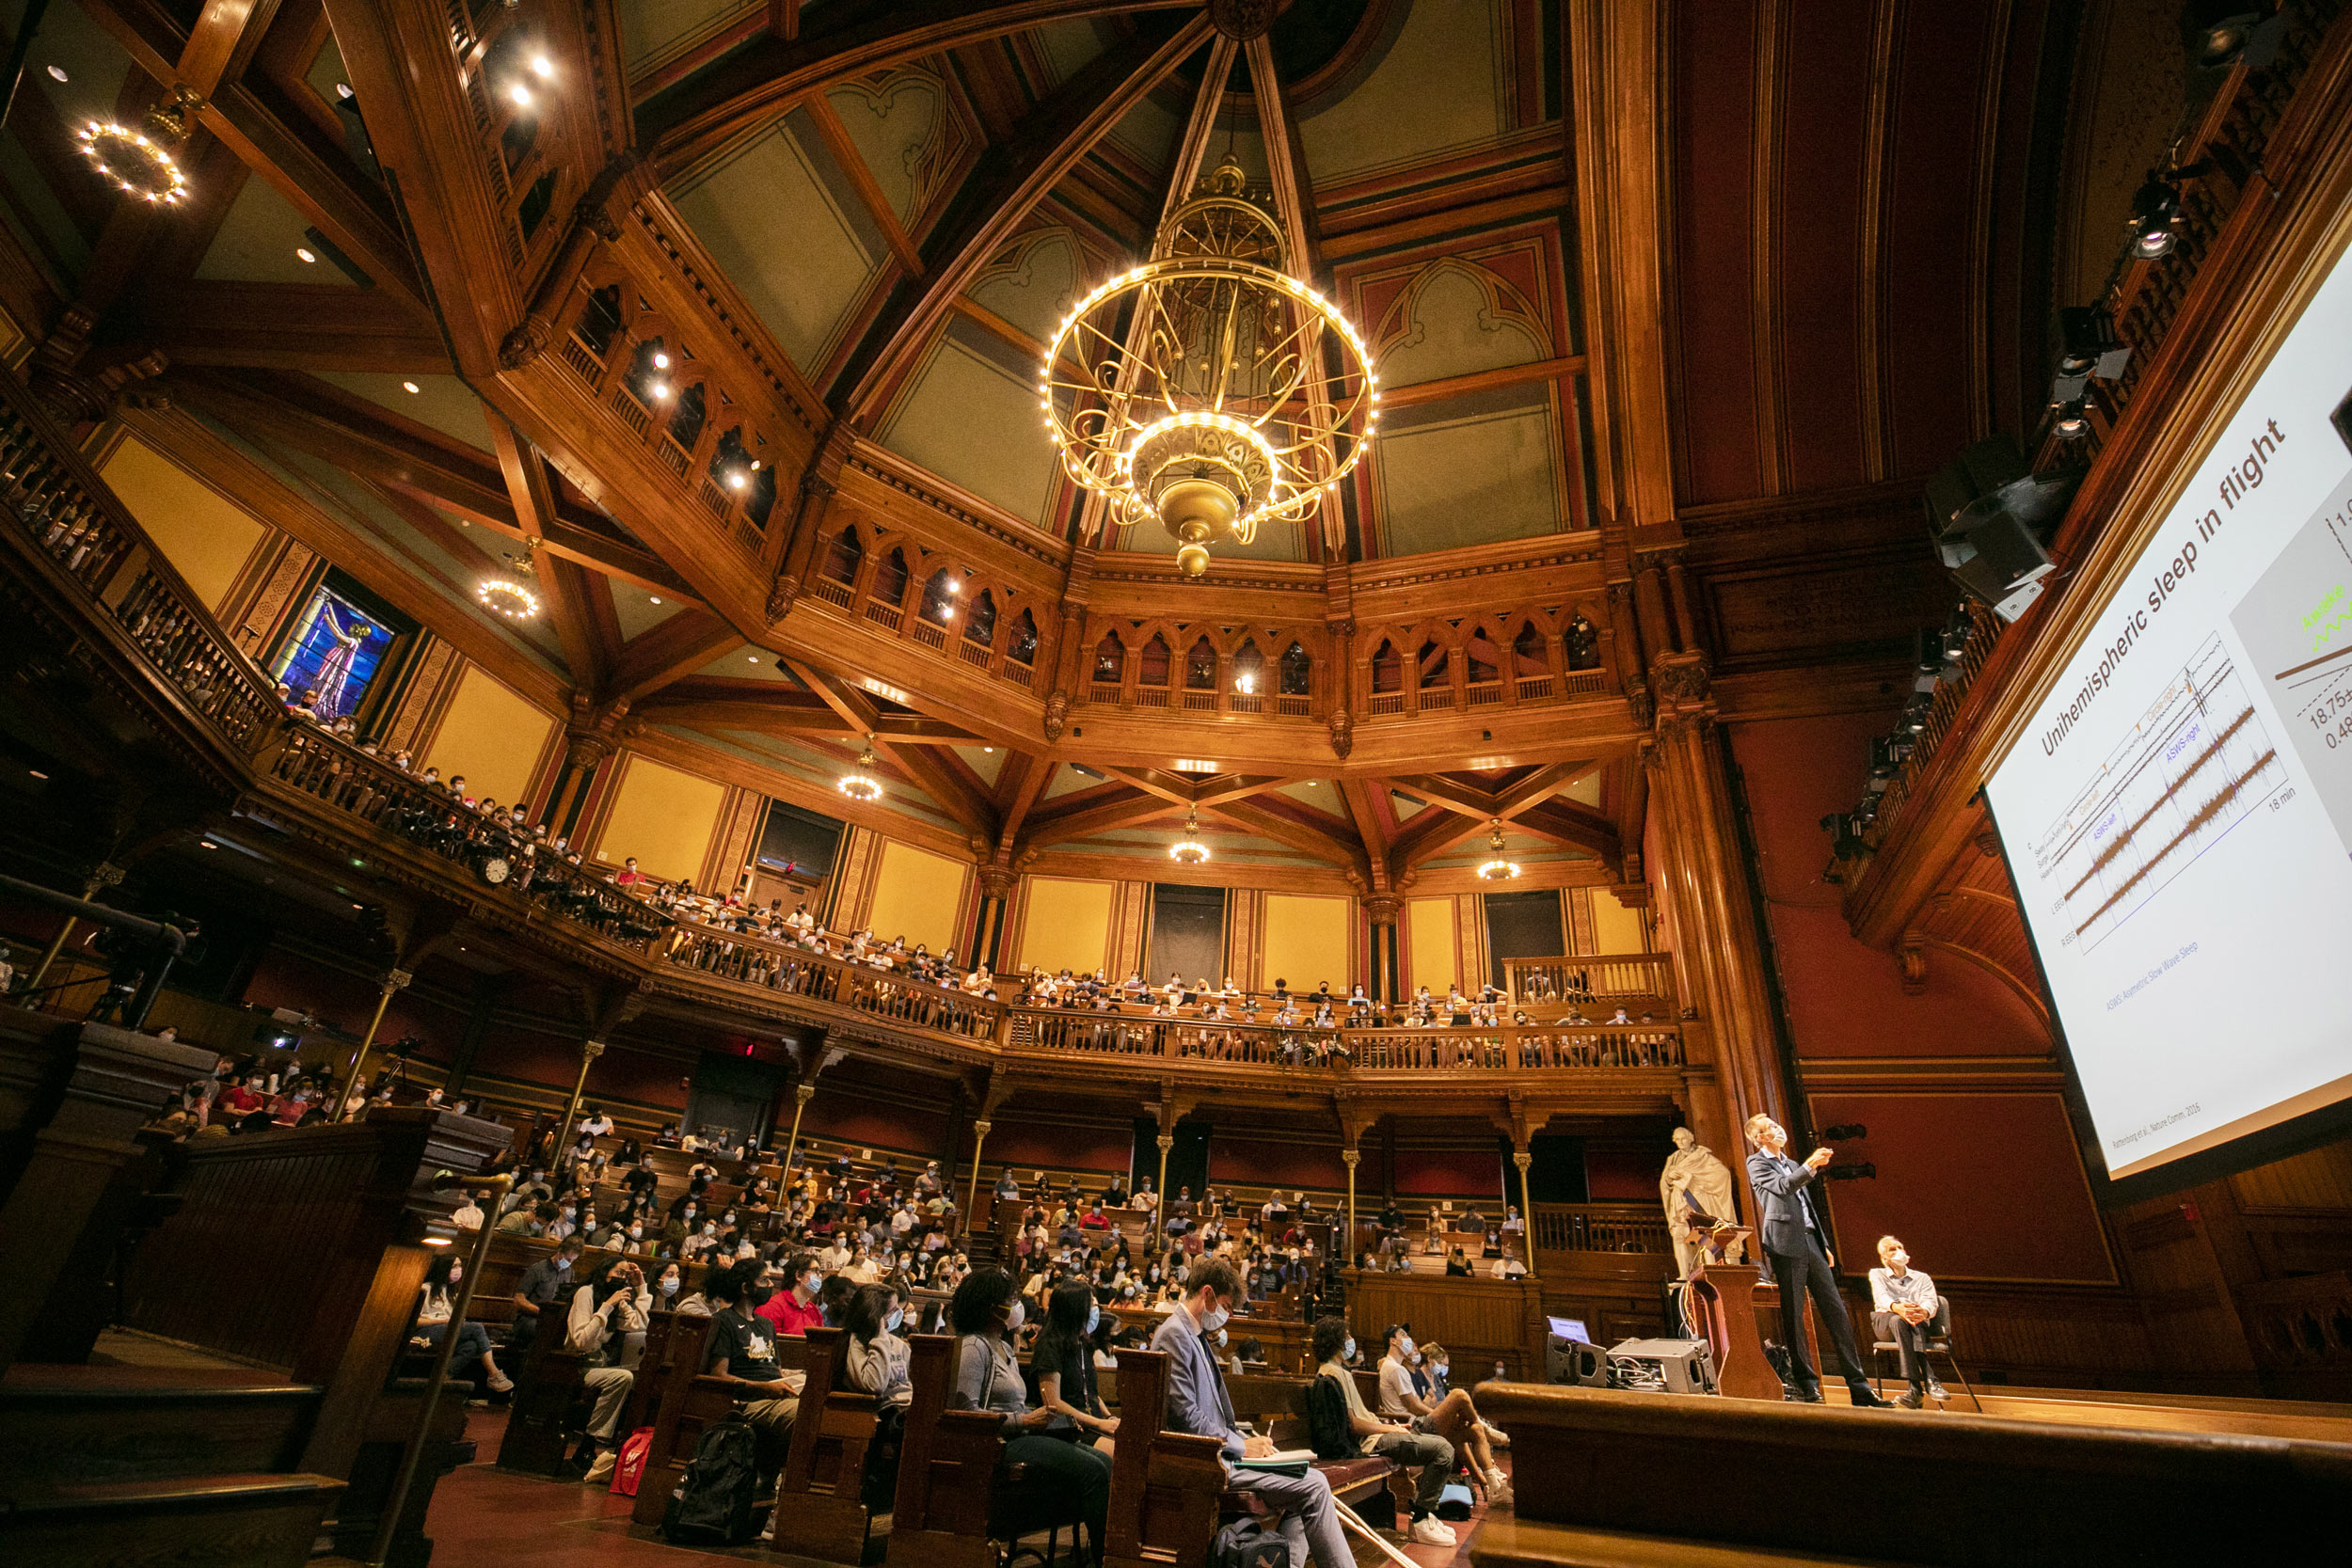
<point>1846,999</point>
<point>1028,1144</point>
<point>1620,1176</point>
<point>1458,1173</point>
<point>1260,1162</point>
<point>1985,1186</point>
<point>842,1112</point>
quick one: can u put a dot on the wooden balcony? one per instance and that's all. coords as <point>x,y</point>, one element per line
<point>1640,983</point>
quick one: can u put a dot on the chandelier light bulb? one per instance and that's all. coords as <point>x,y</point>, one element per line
<point>1189,850</point>
<point>511,598</point>
<point>860,784</point>
<point>133,162</point>
<point>1499,868</point>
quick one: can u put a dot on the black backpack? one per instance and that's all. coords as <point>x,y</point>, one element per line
<point>713,1503</point>
<point>1328,1432</point>
<point>1247,1544</point>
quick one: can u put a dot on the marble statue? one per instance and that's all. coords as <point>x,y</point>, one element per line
<point>1696,1181</point>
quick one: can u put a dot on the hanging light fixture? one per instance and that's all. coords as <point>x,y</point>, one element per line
<point>512,597</point>
<point>1498,869</point>
<point>1208,389</point>
<point>139,163</point>
<point>861,785</point>
<point>1189,850</point>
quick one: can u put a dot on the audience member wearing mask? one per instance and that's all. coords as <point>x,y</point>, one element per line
<point>1062,1365</point>
<point>1454,1418</point>
<point>985,1313</point>
<point>441,1277</point>
<point>540,1287</point>
<point>795,1309</point>
<point>879,1356</point>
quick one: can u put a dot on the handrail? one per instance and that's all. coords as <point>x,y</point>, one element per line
<point>73,518</point>
<point>1626,1228</point>
<point>1066,1032</point>
<point>1600,979</point>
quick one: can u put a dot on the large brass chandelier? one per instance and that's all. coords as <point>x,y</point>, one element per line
<point>1208,389</point>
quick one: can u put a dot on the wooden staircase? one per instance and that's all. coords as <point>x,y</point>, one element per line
<point>118,1464</point>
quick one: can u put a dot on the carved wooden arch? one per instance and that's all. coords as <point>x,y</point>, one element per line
<point>1504,301</point>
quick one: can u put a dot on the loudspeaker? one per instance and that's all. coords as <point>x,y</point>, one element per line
<point>2001,561</point>
<point>1570,1361</point>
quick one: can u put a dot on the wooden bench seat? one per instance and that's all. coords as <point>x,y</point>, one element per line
<point>684,1403</point>
<point>950,1510</point>
<point>825,1504</point>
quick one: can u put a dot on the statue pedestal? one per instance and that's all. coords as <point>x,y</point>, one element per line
<point>1723,1299</point>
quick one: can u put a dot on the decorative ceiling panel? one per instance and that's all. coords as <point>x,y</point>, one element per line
<point>1469,470</point>
<point>440,402</point>
<point>656,33</point>
<point>1438,85</point>
<point>777,214</point>
<point>970,415</point>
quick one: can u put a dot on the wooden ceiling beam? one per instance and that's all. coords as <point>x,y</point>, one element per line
<point>861,177</point>
<point>1566,823</point>
<point>1130,807</point>
<point>1364,812</point>
<point>1306,837</point>
<point>755,84</point>
<point>941,778</point>
<point>1029,786</point>
<point>284,327</point>
<point>563,586</point>
<point>997,199</point>
<point>671,650</point>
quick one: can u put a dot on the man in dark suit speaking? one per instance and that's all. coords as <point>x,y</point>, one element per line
<point>1799,1250</point>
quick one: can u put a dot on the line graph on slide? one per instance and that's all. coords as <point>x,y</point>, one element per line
<point>2196,765</point>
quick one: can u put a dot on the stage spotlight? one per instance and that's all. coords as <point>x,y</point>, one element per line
<point>2071,420</point>
<point>2156,216</point>
<point>1844,1132</point>
<point>2220,34</point>
<point>2090,346</point>
<point>357,141</point>
<point>1845,835</point>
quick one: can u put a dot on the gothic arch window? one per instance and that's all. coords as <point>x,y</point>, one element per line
<point>939,599</point>
<point>1297,672</point>
<point>890,577</point>
<point>980,626</point>
<point>1527,651</point>
<point>1435,664</point>
<point>1151,665</point>
<point>1110,661</point>
<point>1388,668</point>
<point>846,555</point>
<point>1249,670</point>
<point>1200,667</point>
<point>1022,649</point>
<point>599,320</point>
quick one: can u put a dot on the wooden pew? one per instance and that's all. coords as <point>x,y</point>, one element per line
<point>1277,1406</point>
<point>948,1512</point>
<point>1795,1483</point>
<point>1167,1487</point>
<point>689,1402</point>
<point>822,1507</point>
<point>548,1391</point>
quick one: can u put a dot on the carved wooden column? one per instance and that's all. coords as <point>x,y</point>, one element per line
<point>589,1052</point>
<point>355,1090</point>
<point>802,1093</point>
<point>980,1139</point>
<point>1381,908</point>
<point>104,874</point>
<point>1351,1154</point>
<point>1709,899</point>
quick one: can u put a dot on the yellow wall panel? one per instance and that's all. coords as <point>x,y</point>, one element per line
<point>491,735</point>
<point>1067,924</point>
<point>1306,943</point>
<point>917,895</point>
<point>664,818</point>
<point>1615,928</point>
<point>201,531</point>
<point>1430,959</point>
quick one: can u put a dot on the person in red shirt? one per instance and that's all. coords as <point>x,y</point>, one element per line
<point>794,1310</point>
<point>238,1100</point>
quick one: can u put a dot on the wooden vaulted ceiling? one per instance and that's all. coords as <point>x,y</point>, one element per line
<point>900,199</point>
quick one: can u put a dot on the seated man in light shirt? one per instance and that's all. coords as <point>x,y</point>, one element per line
<point>1902,1303</point>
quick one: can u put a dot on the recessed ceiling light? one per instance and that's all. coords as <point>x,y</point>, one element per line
<point>410,387</point>
<point>58,72</point>
<point>304,251</point>
<point>653,598</point>
<point>542,67</point>
<point>660,361</point>
<point>520,94</point>
<point>661,390</point>
<point>751,658</point>
<point>38,773</point>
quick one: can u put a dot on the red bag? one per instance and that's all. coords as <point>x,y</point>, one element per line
<point>629,1467</point>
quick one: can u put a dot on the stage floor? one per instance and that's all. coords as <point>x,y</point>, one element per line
<point>2309,1421</point>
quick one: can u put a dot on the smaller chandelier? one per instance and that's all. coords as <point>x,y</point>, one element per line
<point>1189,850</point>
<point>861,785</point>
<point>1497,869</point>
<point>511,598</point>
<point>133,162</point>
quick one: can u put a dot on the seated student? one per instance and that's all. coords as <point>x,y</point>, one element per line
<point>1902,1303</point>
<point>1458,1265</point>
<point>878,1358</point>
<point>1508,1267</point>
<point>539,1288</point>
<point>610,1307</point>
<point>1454,1418</point>
<point>1197,1404</point>
<point>985,1313</point>
<point>742,1349</point>
<point>473,1342</point>
<point>794,1309</point>
<point>595,1123</point>
<point>1062,1367</point>
<point>1395,1441</point>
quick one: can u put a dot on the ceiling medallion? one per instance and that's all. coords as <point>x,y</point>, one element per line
<point>1498,869</point>
<point>1189,850</point>
<point>1208,389</point>
<point>861,785</point>
<point>512,597</point>
<point>1241,20</point>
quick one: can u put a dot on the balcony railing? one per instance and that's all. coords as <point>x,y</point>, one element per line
<point>1066,1033</point>
<point>1622,1228</point>
<point>102,559</point>
<point>1638,982</point>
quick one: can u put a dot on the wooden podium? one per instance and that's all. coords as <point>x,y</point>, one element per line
<point>1723,1300</point>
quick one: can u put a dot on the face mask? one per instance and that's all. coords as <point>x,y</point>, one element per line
<point>562,1265</point>
<point>1405,1344</point>
<point>761,1294</point>
<point>1220,1338</point>
<point>1014,1319</point>
<point>636,1230</point>
<point>710,1231</point>
<point>1417,1358</point>
<point>1347,1352</point>
<point>1213,1320</point>
<point>1444,1367</point>
<point>1094,1316</point>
